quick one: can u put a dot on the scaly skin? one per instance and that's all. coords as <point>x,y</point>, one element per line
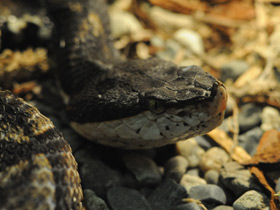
<point>122,103</point>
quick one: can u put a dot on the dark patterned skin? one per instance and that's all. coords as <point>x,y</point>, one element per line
<point>37,168</point>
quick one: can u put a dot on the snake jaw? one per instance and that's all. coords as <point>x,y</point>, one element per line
<point>148,129</point>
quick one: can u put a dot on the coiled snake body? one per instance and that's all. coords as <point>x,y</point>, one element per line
<point>116,102</point>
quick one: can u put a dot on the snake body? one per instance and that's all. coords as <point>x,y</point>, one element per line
<point>110,100</point>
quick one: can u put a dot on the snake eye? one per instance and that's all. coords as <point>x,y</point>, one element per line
<point>156,106</point>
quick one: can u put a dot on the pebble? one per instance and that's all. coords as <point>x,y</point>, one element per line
<point>250,139</point>
<point>93,202</point>
<point>167,195</point>
<point>277,187</point>
<point>214,158</point>
<point>89,152</point>
<point>209,194</point>
<point>176,167</point>
<point>99,177</point>
<point>188,206</point>
<point>191,150</point>
<point>232,70</point>
<point>193,172</point>
<point>238,179</point>
<point>123,23</point>
<point>169,21</point>
<point>73,138</point>
<point>223,207</point>
<point>171,49</point>
<point>249,117</point>
<point>205,142</point>
<point>270,118</point>
<point>252,200</point>
<point>189,181</point>
<point>121,198</point>
<point>212,176</point>
<point>190,39</point>
<point>143,168</point>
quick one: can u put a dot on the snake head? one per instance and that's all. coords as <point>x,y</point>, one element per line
<point>144,104</point>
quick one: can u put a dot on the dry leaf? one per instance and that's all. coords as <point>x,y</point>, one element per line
<point>260,176</point>
<point>268,150</point>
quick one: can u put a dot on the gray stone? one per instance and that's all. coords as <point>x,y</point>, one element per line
<point>212,176</point>
<point>191,151</point>
<point>143,168</point>
<point>189,181</point>
<point>205,142</point>
<point>73,138</point>
<point>214,158</point>
<point>233,69</point>
<point>249,140</point>
<point>99,177</point>
<point>252,200</point>
<point>170,51</point>
<point>208,194</point>
<point>121,198</point>
<point>176,167</point>
<point>93,202</point>
<point>188,206</point>
<point>223,207</point>
<point>277,187</point>
<point>167,195</point>
<point>249,117</point>
<point>238,179</point>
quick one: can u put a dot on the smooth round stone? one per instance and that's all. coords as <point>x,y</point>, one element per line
<point>205,142</point>
<point>189,181</point>
<point>167,195</point>
<point>143,168</point>
<point>212,176</point>
<point>238,179</point>
<point>270,118</point>
<point>209,194</point>
<point>249,117</point>
<point>232,70</point>
<point>130,181</point>
<point>83,155</point>
<point>277,187</point>
<point>188,206</point>
<point>193,172</point>
<point>191,151</point>
<point>170,51</point>
<point>190,39</point>
<point>249,140</point>
<point>252,200</point>
<point>73,138</point>
<point>123,23</point>
<point>121,198</point>
<point>176,167</point>
<point>213,159</point>
<point>99,177</point>
<point>93,202</point>
<point>223,207</point>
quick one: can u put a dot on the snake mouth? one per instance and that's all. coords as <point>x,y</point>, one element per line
<point>219,102</point>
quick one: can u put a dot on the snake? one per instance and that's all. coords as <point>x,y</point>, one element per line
<point>109,99</point>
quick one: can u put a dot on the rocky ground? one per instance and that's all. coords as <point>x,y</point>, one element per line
<point>234,167</point>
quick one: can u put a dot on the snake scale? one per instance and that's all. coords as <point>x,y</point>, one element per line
<point>110,100</point>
